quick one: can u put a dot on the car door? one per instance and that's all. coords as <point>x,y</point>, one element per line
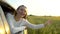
<point>4,27</point>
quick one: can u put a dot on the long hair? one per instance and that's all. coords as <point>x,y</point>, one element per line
<point>19,8</point>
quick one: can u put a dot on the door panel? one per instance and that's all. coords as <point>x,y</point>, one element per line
<point>2,29</point>
<point>4,21</point>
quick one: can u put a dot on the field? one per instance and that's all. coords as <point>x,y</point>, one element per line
<point>54,28</point>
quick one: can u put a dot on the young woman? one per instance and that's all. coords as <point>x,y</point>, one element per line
<point>18,21</point>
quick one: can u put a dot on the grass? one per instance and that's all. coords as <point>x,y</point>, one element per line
<point>54,28</point>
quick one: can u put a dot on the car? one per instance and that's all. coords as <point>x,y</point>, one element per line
<point>4,26</point>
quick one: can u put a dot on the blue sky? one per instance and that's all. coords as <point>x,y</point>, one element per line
<point>39,7</point>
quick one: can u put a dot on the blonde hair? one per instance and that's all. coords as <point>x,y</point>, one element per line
<point>19,8</point>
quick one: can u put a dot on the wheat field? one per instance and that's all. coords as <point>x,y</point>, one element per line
<point>54,28</point>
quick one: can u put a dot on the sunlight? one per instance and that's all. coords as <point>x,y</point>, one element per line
<point>39,7</point>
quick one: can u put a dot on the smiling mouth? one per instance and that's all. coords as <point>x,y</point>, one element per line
<point>22,14</point>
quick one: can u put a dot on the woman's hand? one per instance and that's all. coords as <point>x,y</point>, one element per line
<point>48,22</point>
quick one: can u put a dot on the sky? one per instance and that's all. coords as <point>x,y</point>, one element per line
<point>38,7</point>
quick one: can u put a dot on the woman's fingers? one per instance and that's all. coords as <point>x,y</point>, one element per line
<point>48,22</point>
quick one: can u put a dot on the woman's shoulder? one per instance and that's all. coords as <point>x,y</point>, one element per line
<point>9,14</point>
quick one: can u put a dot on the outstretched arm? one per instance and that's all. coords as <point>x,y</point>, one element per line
<point>33,26</point>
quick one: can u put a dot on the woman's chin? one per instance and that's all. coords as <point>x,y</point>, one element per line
<point>22,16</point>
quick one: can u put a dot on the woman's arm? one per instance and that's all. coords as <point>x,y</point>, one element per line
<point>33,26</point>
<point>12,27</point>
<point>28,24</point>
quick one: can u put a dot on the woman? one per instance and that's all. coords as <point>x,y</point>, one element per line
<point>18,21</point>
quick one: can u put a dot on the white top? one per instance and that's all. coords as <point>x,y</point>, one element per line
<point>17,26</point>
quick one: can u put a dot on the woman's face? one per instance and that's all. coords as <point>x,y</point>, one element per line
<point>22,11</point>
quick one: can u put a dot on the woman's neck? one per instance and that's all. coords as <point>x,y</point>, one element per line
<point>17,17</point>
